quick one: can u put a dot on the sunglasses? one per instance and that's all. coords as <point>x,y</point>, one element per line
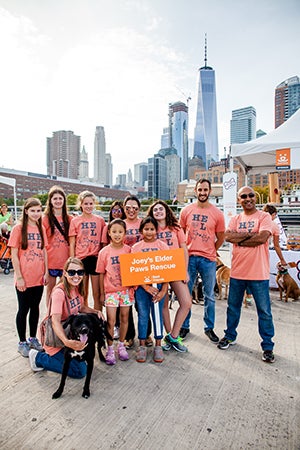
<point>244,196</point>
<point>135,208</point>
<point>72,272</point>
<point>117,211</point>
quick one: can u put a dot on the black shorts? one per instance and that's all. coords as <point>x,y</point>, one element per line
<point>55,273</point>
<point>90,263</point>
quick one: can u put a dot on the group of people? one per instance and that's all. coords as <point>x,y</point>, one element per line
<point>82,250</point>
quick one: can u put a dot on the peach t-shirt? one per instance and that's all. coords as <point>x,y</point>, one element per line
<point>251,263</point>
<point>88,234</point>
<point>58,247</point>
<point>201,226</point>
<point>109,264</point>
<point>59,306</point>
<point>32,261</point>
<point>132,232</point>
<point>143,246</point>
<point>173,237</point>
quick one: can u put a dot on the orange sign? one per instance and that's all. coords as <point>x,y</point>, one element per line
<point>283,159</point>
<point>152,267</point>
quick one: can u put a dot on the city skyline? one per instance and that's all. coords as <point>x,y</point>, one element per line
<point>74,65</point>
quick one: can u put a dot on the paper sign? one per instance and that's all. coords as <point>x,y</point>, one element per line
<point>152,267</point>
<point>283,159</point>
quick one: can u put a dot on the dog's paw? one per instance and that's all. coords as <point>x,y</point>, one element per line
<point>56,394</point>
<point>86,394</point>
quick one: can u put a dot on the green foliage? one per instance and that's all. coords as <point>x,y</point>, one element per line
<point>42,197</point>
<point>72,199</point>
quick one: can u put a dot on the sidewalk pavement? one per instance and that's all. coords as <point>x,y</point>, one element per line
<point>205,399</point>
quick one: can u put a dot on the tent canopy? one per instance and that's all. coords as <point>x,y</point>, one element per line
<point>259,155</point>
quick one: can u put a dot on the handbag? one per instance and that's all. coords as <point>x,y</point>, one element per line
<point>47,334</point>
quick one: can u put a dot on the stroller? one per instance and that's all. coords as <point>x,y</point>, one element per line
<point>5,256</point>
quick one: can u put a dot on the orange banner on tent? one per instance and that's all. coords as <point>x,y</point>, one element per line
<point>152,267</point>
<point>283,159</point>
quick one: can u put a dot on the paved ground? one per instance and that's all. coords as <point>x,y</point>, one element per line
<point>206,399</point>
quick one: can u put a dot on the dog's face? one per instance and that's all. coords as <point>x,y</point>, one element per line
<point>81,327</point>
<point>281,269</point>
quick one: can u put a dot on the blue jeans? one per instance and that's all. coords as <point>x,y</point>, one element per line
<point>144,306</point>
<point>55,363</point>
<point>260,291</point>
<point>207,270</point>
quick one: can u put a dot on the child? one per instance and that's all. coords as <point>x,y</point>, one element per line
<point>150,297</point>
<point>112,293</point>
<point>56,222</point>
<point>170,232</point>
<point>70,289</point>
<point>85,242</point>
<point>28,243</point>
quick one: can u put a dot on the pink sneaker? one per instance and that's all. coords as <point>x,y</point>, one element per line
<point>110,358</point>
<point>122,352</point>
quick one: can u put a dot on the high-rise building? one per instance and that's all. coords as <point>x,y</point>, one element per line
<point>243,125</point>
<point>157,178</point>
<point>173,169</point>
<point>178,134</point>
<point>165,138</point>
<point>206,144</point>
<point>63,153</point>
<point>83,165</point>
<point>287,99</point>
<point>141,173</point>
<point>99,156</point>
<point>108,170</point>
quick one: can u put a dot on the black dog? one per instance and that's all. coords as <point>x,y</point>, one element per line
<point>86,328</point>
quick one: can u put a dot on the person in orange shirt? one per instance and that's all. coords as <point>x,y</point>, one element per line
<point>249,233</point>
<point>56,222</point>
<point>204,226</point>
<point>28,242</point>
<point>85,243</point>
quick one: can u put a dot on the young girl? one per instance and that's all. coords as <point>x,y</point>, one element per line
<point>70,289</point>
<point>116,212</point>
<point>28,243</point>
<point>56,222</point>
<point>111,290</point>
<point>172,234</point>
<point>85,242</point>
<point>147,295</point>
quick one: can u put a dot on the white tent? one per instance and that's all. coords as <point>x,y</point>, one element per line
<point>11,182</point>
<point>259,155</point>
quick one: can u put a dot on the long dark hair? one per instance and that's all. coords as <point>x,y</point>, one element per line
<point>49,212</point>
<point>146,220</point>
<point>30,202</point>
<point>171,220</point>
<point>113,205</point>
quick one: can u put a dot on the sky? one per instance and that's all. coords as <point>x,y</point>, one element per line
<point>77,64</point>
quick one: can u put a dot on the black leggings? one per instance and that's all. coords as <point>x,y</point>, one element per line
<point>28,301</point>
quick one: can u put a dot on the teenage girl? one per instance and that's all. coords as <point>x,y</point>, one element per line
<point>85,242</point>
<point>56,222</point>
<point>150,297</point>
<point>172,234</point>
<point>28,243</point>
<point>112,293</point>
<point>70,289</point>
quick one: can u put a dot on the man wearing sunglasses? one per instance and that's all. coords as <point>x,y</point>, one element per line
<point>249,233</point>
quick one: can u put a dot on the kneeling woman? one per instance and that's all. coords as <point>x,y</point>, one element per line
<point>67,298</point>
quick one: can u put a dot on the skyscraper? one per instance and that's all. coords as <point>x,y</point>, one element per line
<point>141,173</point>
<point>63,154</point>
<point>287,99</point>
<point>108,170</point>
<point>206,130</point>
<point>99,156</point>
<point>178,134</point>
<point>157,178</point>
<point>83,165</point>
<point>243,125</point>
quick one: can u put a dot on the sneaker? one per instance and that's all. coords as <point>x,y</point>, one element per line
<point>141,355</point>
<point>34,343</point>
<point>224,343</point>
<point>122,352</point>
<point>183,332</point>
<point>149,341</point>
<point>268,356</point>
<point>129,343</point>
<point>116,333</point>
<point>23,348</point>
<point>166,345</point>
<point>158,355</point>
<point>176,343</point>
<point>110,358</point>
<point>32,356</point>
<point>212,336</point>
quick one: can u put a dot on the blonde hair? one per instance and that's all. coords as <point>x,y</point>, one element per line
<point>82,195</point>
